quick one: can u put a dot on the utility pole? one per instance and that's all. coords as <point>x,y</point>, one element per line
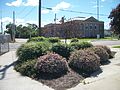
<point>1,23</point>
<point>98,9</point>
<point>54,25</point>
<point>98,35</point>
<point>39,17</point>
<point>55,18</point>
<point>13,27</point>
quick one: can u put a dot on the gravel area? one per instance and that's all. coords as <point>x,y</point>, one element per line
<point>71,79</point>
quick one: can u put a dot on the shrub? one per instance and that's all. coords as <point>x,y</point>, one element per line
<point>74,40</point>
<point>27,68</point>
<point>32,50</point>
<point>101,53</point>
<point>62,49</point>
<point>51,65</point>
<point>80,45</point>
<point>37,39</point>
<point>53,39</point>
<point>84,62</point>
<point>107,50</point>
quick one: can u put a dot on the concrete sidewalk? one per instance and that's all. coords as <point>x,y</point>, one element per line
<point>11,80</point>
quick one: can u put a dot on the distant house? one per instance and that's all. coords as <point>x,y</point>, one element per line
<point>108,33</point>
<point>89,27</point>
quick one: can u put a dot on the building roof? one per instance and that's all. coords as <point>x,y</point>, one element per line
<point>91,19</point>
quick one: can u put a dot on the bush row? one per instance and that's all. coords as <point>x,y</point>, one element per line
<point>42,39</point>
<point>33,50</point>
<point>82,57</point>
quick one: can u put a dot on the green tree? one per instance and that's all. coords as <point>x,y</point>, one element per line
<point>33,30</point>
<point>115,20</point>
<point>27,31</point>
<point>19,31</point>
<point>10,31</point>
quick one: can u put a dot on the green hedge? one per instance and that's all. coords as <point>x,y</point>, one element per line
<point>80,45</point>
<point>37,39</point>
<point>32,50</point>
<point>74,40</point>
<point>27,68</point>
<point>62,49</point>
<point>53,39</point>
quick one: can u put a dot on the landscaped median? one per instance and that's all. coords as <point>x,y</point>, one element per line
<point>59,65</point>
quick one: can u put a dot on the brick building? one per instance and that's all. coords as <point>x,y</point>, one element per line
<point>89,27</point>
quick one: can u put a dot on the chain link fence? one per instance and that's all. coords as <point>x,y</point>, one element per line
<point>4,43</point>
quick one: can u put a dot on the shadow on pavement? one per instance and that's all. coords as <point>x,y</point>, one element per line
<point>3,70</point>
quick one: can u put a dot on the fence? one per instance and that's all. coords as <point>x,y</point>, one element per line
<point>4,43</point>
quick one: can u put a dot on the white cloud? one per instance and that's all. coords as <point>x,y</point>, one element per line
<point>45,23</point>
<point>31,3</point>
<point>107,25</point>
<point>16,3</point>
<point>95,6</point>
<point>45,11</point>
<point>61,5</point>
<point>7,20</point>
<point>32,22</point>
<point>103,0</point>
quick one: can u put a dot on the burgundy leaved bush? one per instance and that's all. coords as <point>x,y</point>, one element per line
<point>84,61</point>
<point>107,49</point>
<point>104,56</point>
<point>51,64</point>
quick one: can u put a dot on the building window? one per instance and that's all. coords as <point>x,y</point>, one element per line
<point>90,27</point>
<point>95,27</point>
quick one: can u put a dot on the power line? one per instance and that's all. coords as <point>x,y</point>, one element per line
<point>72,11</point>
<point>28,12</point>
<point>22,10</point>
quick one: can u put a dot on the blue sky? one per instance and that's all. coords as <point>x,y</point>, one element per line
<point>27,10</point>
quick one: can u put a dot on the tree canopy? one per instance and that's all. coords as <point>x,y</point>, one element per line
<point>27,31</point>
<point>115,20</point>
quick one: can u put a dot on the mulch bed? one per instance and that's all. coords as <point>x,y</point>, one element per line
<point>71,79</point>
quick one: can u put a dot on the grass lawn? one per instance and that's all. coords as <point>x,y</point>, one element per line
<point>92,39</point>
<point>116,46</point>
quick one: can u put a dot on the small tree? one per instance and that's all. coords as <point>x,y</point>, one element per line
<point>115,20</point>
<point>10,30</point>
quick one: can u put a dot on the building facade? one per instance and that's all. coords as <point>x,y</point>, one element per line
<point>89,27</point>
